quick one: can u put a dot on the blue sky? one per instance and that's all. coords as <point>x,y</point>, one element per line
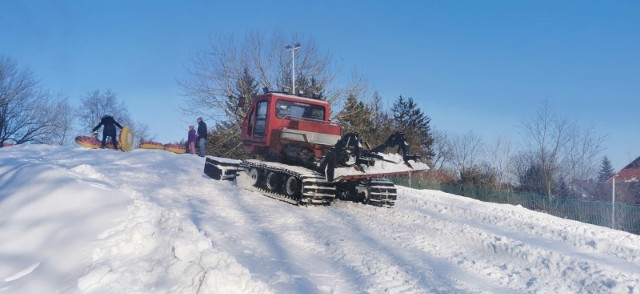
<point>470,65</point>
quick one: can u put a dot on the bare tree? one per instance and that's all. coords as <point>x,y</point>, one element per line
<point>212,89</point>
<point>27,112</point>
<point>441,149</point>
<point>97,104</point>
<point>142,133</point>
<point>62,121</point>
<point>519,165</point>
<point>498,155</point>
<point>466,151</point>
<point>583,149</point>
<point>562,150</point>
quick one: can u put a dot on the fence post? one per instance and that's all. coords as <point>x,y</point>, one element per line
<point>613,203</point>
<point>410,181</point>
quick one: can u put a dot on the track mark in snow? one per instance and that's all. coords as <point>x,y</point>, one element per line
<point>376,256</point>
<point>93,277</point>
<point>22,273</point>
<point>518,260</point>
<point>428,257</point>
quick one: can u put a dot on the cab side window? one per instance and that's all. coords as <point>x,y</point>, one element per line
<point>250,126</point>
<point>261,119</point>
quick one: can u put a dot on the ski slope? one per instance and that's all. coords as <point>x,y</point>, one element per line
<point>76,220</point>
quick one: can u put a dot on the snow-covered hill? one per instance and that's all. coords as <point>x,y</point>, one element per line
<point>100,221</point>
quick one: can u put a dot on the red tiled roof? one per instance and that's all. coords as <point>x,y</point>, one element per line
<point>628,175</point>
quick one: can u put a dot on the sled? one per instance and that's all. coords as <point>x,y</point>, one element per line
<point>151,145</point>
<point>91,142</point>
<point>126,141</point>
<point>175,148</point>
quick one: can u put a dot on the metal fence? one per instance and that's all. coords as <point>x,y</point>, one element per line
<point>619,216</point>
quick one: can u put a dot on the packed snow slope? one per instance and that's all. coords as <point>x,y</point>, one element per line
<point>76,220</point>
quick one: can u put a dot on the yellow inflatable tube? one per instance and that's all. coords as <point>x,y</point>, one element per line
<point>175,148</point>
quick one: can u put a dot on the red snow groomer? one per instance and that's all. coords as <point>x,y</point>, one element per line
<point>303,158</point>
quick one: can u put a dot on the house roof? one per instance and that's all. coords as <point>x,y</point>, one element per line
<point>635,163</point>
<point>630,173</point>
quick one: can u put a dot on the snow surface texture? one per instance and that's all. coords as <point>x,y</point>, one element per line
<point>101,221</point>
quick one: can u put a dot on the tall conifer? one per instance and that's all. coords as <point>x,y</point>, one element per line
<point>606,170</point>
<point>408,118</point>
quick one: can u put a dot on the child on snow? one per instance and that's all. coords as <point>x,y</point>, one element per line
<point>192,140</point>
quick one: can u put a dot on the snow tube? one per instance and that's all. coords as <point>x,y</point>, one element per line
<point>151,145</point>
<point>175,148</point>
<point>126,139</point>
<point>91,142</point>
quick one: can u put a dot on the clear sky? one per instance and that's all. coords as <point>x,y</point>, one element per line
<point>470,65</point>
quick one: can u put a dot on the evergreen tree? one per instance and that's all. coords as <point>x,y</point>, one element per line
<point>238,103</point>
<point>225,140</point>
<point>409,119</point>
<point>606,170</point>
<point>533,180</point>
<point>355,117</point>
<point>309,87</point>
<point>380,121</point>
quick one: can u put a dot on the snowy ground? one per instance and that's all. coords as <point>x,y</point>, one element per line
<point>148,221</point>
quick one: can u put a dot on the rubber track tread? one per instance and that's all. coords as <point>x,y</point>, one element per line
<point>382,192</point>
<point>315,188</point>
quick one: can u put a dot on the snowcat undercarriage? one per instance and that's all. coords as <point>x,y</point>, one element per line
<point>301,186</point>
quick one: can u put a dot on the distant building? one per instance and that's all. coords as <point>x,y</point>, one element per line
<point>629,174</point>
<point>628,183</point>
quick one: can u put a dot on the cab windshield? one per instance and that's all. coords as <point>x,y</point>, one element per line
<point>286,108</point>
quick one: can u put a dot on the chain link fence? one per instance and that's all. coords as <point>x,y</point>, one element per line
<point>619,216</point>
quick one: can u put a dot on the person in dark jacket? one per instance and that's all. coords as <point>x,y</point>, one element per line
<point>109,130</point>
<point>202,136</point>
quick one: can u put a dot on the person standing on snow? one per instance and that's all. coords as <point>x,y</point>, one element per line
<point>202,136</point>
<point>191,139</point>
<point>109,130</point>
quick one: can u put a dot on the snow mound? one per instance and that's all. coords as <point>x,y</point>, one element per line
<point>157,249</point>
<point>76,220</point>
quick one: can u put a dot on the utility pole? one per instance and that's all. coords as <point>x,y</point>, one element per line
<point>613,202</point>
<point>293,48</point>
